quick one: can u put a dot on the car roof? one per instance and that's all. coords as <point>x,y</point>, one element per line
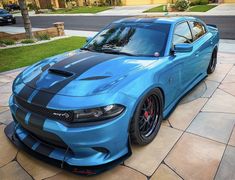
<point>154,19</point>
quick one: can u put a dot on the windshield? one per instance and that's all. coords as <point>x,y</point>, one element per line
<point>131,39</point>
<point>3,12</point>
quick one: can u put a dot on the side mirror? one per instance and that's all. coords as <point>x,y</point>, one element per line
<point>88,39</point>
<point>183,48</point>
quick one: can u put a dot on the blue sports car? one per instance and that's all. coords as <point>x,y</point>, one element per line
<point>81,110</point>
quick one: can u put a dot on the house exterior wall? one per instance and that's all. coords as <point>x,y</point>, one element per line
<point>229,1</point>
<point>143,2</point>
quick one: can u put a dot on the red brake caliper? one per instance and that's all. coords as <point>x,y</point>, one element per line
<point>148,112</point>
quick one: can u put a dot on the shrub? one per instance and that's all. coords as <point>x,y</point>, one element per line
<point>204,2</point>
<point>199,2</point>
<point>7,42</point>
<point>27,41</point>
<point>43,36</point>
<point>181,5</point>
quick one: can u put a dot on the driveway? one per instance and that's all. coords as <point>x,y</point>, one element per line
<point>222,9</point>
<point>196,142</point>
<point>127,10</point>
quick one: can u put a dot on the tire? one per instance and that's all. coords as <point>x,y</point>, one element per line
<point>14,21</point>
<point>149,112</point>
<point>213,62</point>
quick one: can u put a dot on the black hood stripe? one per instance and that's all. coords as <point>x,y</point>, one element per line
<point>71,59</point>
<point>43,97</point>
<point>26,91</point>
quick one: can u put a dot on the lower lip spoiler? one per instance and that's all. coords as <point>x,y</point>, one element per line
<point>80,170</point>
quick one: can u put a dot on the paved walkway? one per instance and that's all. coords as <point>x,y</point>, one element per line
<point>196,142</point>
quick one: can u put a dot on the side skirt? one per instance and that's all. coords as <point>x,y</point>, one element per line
<point>167,112</point>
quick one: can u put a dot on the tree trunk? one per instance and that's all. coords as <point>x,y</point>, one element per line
<point>25,16</point>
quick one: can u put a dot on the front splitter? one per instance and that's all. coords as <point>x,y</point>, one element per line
<point>81,170</point>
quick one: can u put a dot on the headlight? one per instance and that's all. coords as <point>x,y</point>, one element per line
<point>101,113</point>
<point>1,17</point>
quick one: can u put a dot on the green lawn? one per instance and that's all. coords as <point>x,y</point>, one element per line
<point>156,9</point>
<point>23,56</point>
<point>201,8</point>
<point>83,9</point>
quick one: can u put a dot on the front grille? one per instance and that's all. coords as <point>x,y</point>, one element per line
<point>7,17</point>
<point>48,138</point>
<point>45,112</point>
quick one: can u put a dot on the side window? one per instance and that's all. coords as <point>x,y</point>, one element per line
<point>197,28</point>
<point>182,34</point>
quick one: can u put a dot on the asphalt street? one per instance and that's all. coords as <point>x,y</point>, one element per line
<point>226,24</point>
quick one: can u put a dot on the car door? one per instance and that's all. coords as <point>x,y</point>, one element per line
<point>202,45</point>
<point>188,63</point>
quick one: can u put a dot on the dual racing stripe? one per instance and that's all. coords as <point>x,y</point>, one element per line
<point>26,92</point>
<point>35,122</point>
<point>44,96</point>
<point>37,128</point>
<point>77,64</point>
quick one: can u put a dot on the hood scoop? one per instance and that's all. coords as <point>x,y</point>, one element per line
<point>60,72</point>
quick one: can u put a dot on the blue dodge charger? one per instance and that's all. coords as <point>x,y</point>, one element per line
<point>81,110</point>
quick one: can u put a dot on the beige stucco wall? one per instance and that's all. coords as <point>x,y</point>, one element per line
<point>143,2</point>
<point>229,1</point>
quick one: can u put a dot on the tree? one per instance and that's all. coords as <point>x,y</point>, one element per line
<point>25,16</point>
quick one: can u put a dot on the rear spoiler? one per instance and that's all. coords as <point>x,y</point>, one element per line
<point>212,25</point>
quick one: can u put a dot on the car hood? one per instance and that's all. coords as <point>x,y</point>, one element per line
<point>82,73</point>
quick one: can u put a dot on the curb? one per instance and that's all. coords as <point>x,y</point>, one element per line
<point>13,70</point>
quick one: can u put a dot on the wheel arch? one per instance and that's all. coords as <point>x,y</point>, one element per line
<point>143,95</point>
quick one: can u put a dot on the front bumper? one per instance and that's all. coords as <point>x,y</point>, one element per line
<point>83,149</point>
<point>5,21</point>
<point>81,170</point>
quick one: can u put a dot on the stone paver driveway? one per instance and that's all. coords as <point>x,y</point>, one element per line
<point>196,142</point>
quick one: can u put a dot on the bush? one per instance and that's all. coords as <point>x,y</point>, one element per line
<point>204,2</point>
<point>43,36</point>
<point>7,42</point>
<point>181,5</point>
<point>33,6</point>
<point>27,41</point>
<point>199,2</point>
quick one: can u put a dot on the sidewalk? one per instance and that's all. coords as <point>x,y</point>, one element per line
<point>15,30</point>
<point>220,10</point>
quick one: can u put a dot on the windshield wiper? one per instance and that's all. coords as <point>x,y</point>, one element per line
<point>87,49</point>
<point>111,51</point>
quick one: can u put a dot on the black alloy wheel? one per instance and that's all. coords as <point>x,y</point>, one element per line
<point>213,62</point>
<point>147,118</point>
